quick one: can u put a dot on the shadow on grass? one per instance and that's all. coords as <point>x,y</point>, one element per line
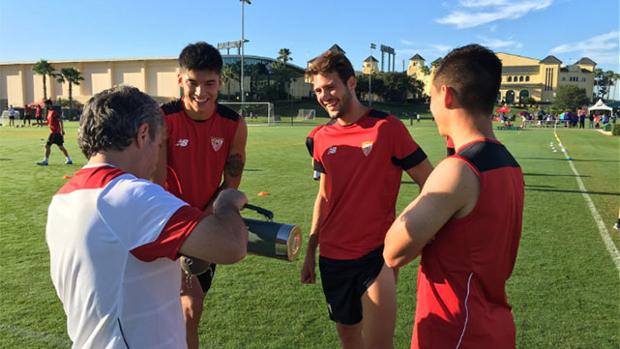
<point>530,188</point>
<point>538,186</point>
<point>252,170</point>
<point>551,175</point>
<point>563,159</point>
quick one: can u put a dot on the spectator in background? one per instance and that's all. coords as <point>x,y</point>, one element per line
<point>582,119</point>
<point>27,115</point>
<point>12,113</point>
<point>38,115</point>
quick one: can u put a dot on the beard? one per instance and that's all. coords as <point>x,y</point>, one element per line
<point>345,102</point>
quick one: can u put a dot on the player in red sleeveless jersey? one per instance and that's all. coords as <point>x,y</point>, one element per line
<point>204,154</point>
<point>361,155</point>
<point>466,222</point>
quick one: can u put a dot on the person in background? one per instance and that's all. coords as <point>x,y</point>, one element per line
<point>56,136</point>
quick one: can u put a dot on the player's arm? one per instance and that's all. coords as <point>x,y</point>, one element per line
<point>451,190</point>
<point>420,172</point>
<point>308,270</point>
<point>159,175</point>
<point>62,125</point>
<point>233,169</point>
<point>221,237</point>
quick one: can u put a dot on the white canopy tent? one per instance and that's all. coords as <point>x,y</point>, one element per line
<point>599,105</point>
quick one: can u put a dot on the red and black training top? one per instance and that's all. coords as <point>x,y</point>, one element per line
<point>197,151</point>
<point>363,164</point>
<point>461,295</point>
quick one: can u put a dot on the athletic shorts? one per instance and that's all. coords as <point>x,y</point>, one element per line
<point>55,138</point>
<point>205,279</point>
<point>344,283</point>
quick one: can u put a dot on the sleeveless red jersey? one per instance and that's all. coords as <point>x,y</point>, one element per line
<point>197,151</point>
<point>363,165</point>
<point>461,296</point>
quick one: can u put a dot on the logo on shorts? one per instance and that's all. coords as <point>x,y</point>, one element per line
<point>332,150</point>
<point>183,142</point>
<point>366,147</point>
<point>217,142</point>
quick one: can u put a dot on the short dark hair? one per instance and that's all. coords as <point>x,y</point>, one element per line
<point>201,56</point>
<point>329,62</point>
<point>111,118</point>
<point>474,72</point>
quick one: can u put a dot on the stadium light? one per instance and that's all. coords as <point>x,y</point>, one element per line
<point>243,2</point>
<point>372,47</point>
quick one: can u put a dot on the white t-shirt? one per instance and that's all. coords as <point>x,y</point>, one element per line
<point>107,232</point>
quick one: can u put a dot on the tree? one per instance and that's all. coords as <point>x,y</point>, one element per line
<point>71,76</point>
<point>284,55</point>
<point>231,72</point>
<point>611,78</point>
<point>604,80</point>
<point>43,68</point>
<point>569,98</point>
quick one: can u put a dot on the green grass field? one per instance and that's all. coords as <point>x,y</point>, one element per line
<point>565,289</point>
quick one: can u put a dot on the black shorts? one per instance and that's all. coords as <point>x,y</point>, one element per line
<point>344,283</point>
<point>55,138</point>
<point>206,278</point>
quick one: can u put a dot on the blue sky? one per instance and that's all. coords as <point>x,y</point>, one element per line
<point>92,29</point>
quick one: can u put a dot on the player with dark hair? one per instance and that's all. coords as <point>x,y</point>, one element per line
<point>57,135</point>
<point>114,236</point>
<point>361,154</point>
<point>466,222</point>
<point>204,153</point>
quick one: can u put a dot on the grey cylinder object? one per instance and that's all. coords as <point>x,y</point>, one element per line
<point>275,240</point>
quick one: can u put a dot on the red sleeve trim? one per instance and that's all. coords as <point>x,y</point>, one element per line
<point>171,238</point>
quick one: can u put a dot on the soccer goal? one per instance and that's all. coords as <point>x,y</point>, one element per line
<point>306,114</point>
<point>255,113</point>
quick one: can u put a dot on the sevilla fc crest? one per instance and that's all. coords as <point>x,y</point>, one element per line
<point>366,148</point>
<point>216,143</point>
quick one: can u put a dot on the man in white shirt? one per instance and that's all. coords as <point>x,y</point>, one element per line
<point>114,237</point>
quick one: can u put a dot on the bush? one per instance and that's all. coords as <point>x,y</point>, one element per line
<point>616,130</point>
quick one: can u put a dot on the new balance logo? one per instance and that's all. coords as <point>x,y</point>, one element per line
<point>183,142</point>
<point>332,150</point>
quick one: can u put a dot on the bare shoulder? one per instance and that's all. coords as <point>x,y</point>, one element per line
<point>455,178</point>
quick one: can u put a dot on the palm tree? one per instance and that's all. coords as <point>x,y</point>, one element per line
<point>284,55</point>
<point>43,68</point>
<point>73,77</point>
<point>611,77</point>
<point>231,72</point>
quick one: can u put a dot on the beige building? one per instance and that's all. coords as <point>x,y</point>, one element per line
<point>157,77</point>
<point>524,77</point>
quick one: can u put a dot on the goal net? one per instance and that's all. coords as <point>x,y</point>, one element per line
<point>306,114</point>
<point>255,113</point>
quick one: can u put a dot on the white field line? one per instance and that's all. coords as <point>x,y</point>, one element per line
<point>609,244</point>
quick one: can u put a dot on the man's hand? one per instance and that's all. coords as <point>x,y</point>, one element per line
<point>230,197</point>
<point>308,270</point>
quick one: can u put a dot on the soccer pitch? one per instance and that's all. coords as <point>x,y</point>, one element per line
<point>565,289</point>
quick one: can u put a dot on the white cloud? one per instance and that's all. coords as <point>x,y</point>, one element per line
<point>603,49</point>
<point>441,48</point>
<point>603,42</point>
<point>499,43</point>
<point>482,3</point>
<point>406,42</point>
<point>487,11</point>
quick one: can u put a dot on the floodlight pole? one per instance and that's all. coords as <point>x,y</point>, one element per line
<point>370,77</point>
<point>242,45</point>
